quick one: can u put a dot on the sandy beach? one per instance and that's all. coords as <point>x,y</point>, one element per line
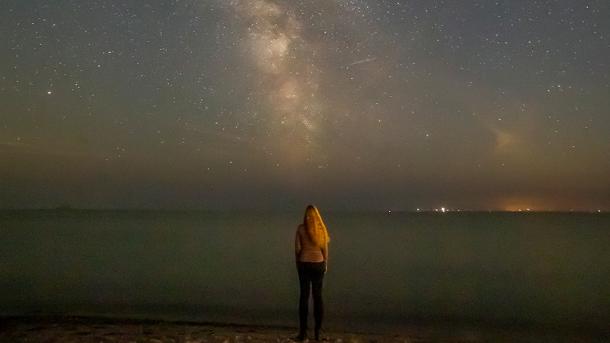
<point>103,329</point>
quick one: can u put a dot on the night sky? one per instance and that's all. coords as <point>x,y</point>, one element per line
<point>347,104</point>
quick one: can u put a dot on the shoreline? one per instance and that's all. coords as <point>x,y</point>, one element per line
<point>97,328</point>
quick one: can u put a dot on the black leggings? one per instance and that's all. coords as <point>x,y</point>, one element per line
<point>311,274</point>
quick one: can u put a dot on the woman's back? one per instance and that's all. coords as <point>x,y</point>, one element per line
<point>309,251</point>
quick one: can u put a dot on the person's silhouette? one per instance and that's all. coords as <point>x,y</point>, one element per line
<point>311,252</point>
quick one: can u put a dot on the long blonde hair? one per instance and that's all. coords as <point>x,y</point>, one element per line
<point>316,229</point>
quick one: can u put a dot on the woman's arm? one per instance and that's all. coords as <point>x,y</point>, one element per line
<point>325,254</point>
<point>297,246</point>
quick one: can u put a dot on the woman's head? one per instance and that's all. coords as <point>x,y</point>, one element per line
<point>316,229</point>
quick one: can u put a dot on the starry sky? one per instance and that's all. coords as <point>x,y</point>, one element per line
<point>348,104</point>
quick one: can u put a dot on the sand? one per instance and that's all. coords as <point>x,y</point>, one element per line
<point>101,329</point>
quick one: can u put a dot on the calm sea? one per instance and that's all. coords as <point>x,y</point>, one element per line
<point>385,270</point>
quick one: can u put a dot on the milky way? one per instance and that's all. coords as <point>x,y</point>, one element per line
<point>268,103</point>
<point>274,41</point>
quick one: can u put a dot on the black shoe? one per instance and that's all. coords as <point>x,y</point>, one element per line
<point>317,334</point>
<point>320,337</point>
<point>299,338</point>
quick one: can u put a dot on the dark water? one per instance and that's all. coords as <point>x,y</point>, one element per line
<point>384,271</point>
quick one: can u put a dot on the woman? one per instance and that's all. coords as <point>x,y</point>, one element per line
<point>311,251</point>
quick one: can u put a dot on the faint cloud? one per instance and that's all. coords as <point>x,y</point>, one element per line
<point>26,148</point>
<point>505,141</point>
<point>12,144</point>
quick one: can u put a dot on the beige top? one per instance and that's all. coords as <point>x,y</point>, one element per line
<point>306,250</point>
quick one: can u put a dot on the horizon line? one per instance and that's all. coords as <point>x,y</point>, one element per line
<point>386,211</point>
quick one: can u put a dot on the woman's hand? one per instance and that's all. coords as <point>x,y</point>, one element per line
<point>325,267</point>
